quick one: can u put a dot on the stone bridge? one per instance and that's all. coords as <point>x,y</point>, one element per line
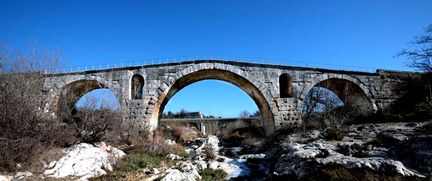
<point>278,91</point>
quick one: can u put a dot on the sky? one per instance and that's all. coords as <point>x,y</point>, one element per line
<point>352,35</point>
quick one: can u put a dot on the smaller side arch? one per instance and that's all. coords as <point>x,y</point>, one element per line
<point>66,85</point>
<point>285,86</point>
<point>334,82</point>
<point>137,86</point>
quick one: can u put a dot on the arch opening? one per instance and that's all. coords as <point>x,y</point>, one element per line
<point>90,110</point>
<point>213,107</point>
<point>222,75</point>
<point>85,94</point>
<point>337,99</point>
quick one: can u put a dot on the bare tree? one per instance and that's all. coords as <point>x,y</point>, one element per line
<point>421,54</point>
<point>319,100</point>
<point>421,57</point>
<point>96,117</point>
<point>244,114</point>
<point>24,128</point>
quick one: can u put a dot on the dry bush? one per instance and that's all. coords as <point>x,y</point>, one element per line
<point>334,133</point>
<point>25,130</point>
<point>155,144</point>
<point>332,118</point>
<point>209,153</point>
<point>183,134</point>
<point>95,125</point>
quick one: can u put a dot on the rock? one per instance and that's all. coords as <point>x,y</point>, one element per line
<point>416,153</point>
<point>194,143</point>
<point>22,175</point>
<point>255,156</point>
<point>6,177</point>
<point>170,142</point>
<point>85,161</point>
<point>200,164</point>
<point>300,159</point>
<point>391,137</point>
<point>313,135</point>
<point>186,172</point>
<point>173,157</point>
<point>213,164</point>
<point>231,169</point>
<point>154,171</point>
<point>176,175</point>
<point>212,142</point>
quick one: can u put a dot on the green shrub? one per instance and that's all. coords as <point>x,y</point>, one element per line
<point>139,160</point>
<point>209,174</point>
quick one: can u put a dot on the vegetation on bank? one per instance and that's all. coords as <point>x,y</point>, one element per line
<point>209,174</point>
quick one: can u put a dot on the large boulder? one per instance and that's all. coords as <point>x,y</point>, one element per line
<point>391,137</point>
<point>300,160</point>
<point>184,171</point>
<point>211,142</point>
<point>416,153</point>
<point>85,161</point>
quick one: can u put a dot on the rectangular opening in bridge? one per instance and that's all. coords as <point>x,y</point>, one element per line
<point>285,85</point>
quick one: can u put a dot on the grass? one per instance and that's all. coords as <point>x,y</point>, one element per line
<point>132,165</point>
<point>209,174</point>
<point>140,160</point>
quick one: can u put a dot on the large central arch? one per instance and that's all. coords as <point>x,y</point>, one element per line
<point>217,74</point>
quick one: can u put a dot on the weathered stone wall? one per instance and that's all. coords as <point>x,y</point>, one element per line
<point>260,81</point>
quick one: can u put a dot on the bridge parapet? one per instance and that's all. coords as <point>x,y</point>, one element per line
<point>279,99</point>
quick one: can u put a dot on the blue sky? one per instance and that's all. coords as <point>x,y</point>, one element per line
<point>355,33</point>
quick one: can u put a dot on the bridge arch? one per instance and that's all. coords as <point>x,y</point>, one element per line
<point>197,72</point>
<point>71,90</point>
<point>349,89</point>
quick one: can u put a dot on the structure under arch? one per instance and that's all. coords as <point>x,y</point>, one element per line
<point>223,75</point>
<point>71,93</point>
<point>350,93</point>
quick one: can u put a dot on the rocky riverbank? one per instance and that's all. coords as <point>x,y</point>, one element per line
<point>387,151</point>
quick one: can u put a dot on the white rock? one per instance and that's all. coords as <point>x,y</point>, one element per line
<point>186,172</point>
<point>22,175</point>
<point>188,168</point>
<point>155,171</point>
<point>173,157</point>
<point>213,164</point>
<point>170,142</point>
<point>212,141</point>
<point>247,156</point>
<point>5,177</point>
<point>200,164</point>
<point>176,175</point>
<point>85,161</point>
<point>293,162</point>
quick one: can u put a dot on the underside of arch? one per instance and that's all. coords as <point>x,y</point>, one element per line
<point>71,93</point>
<point>242,83</point>
<point>349,92</point>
